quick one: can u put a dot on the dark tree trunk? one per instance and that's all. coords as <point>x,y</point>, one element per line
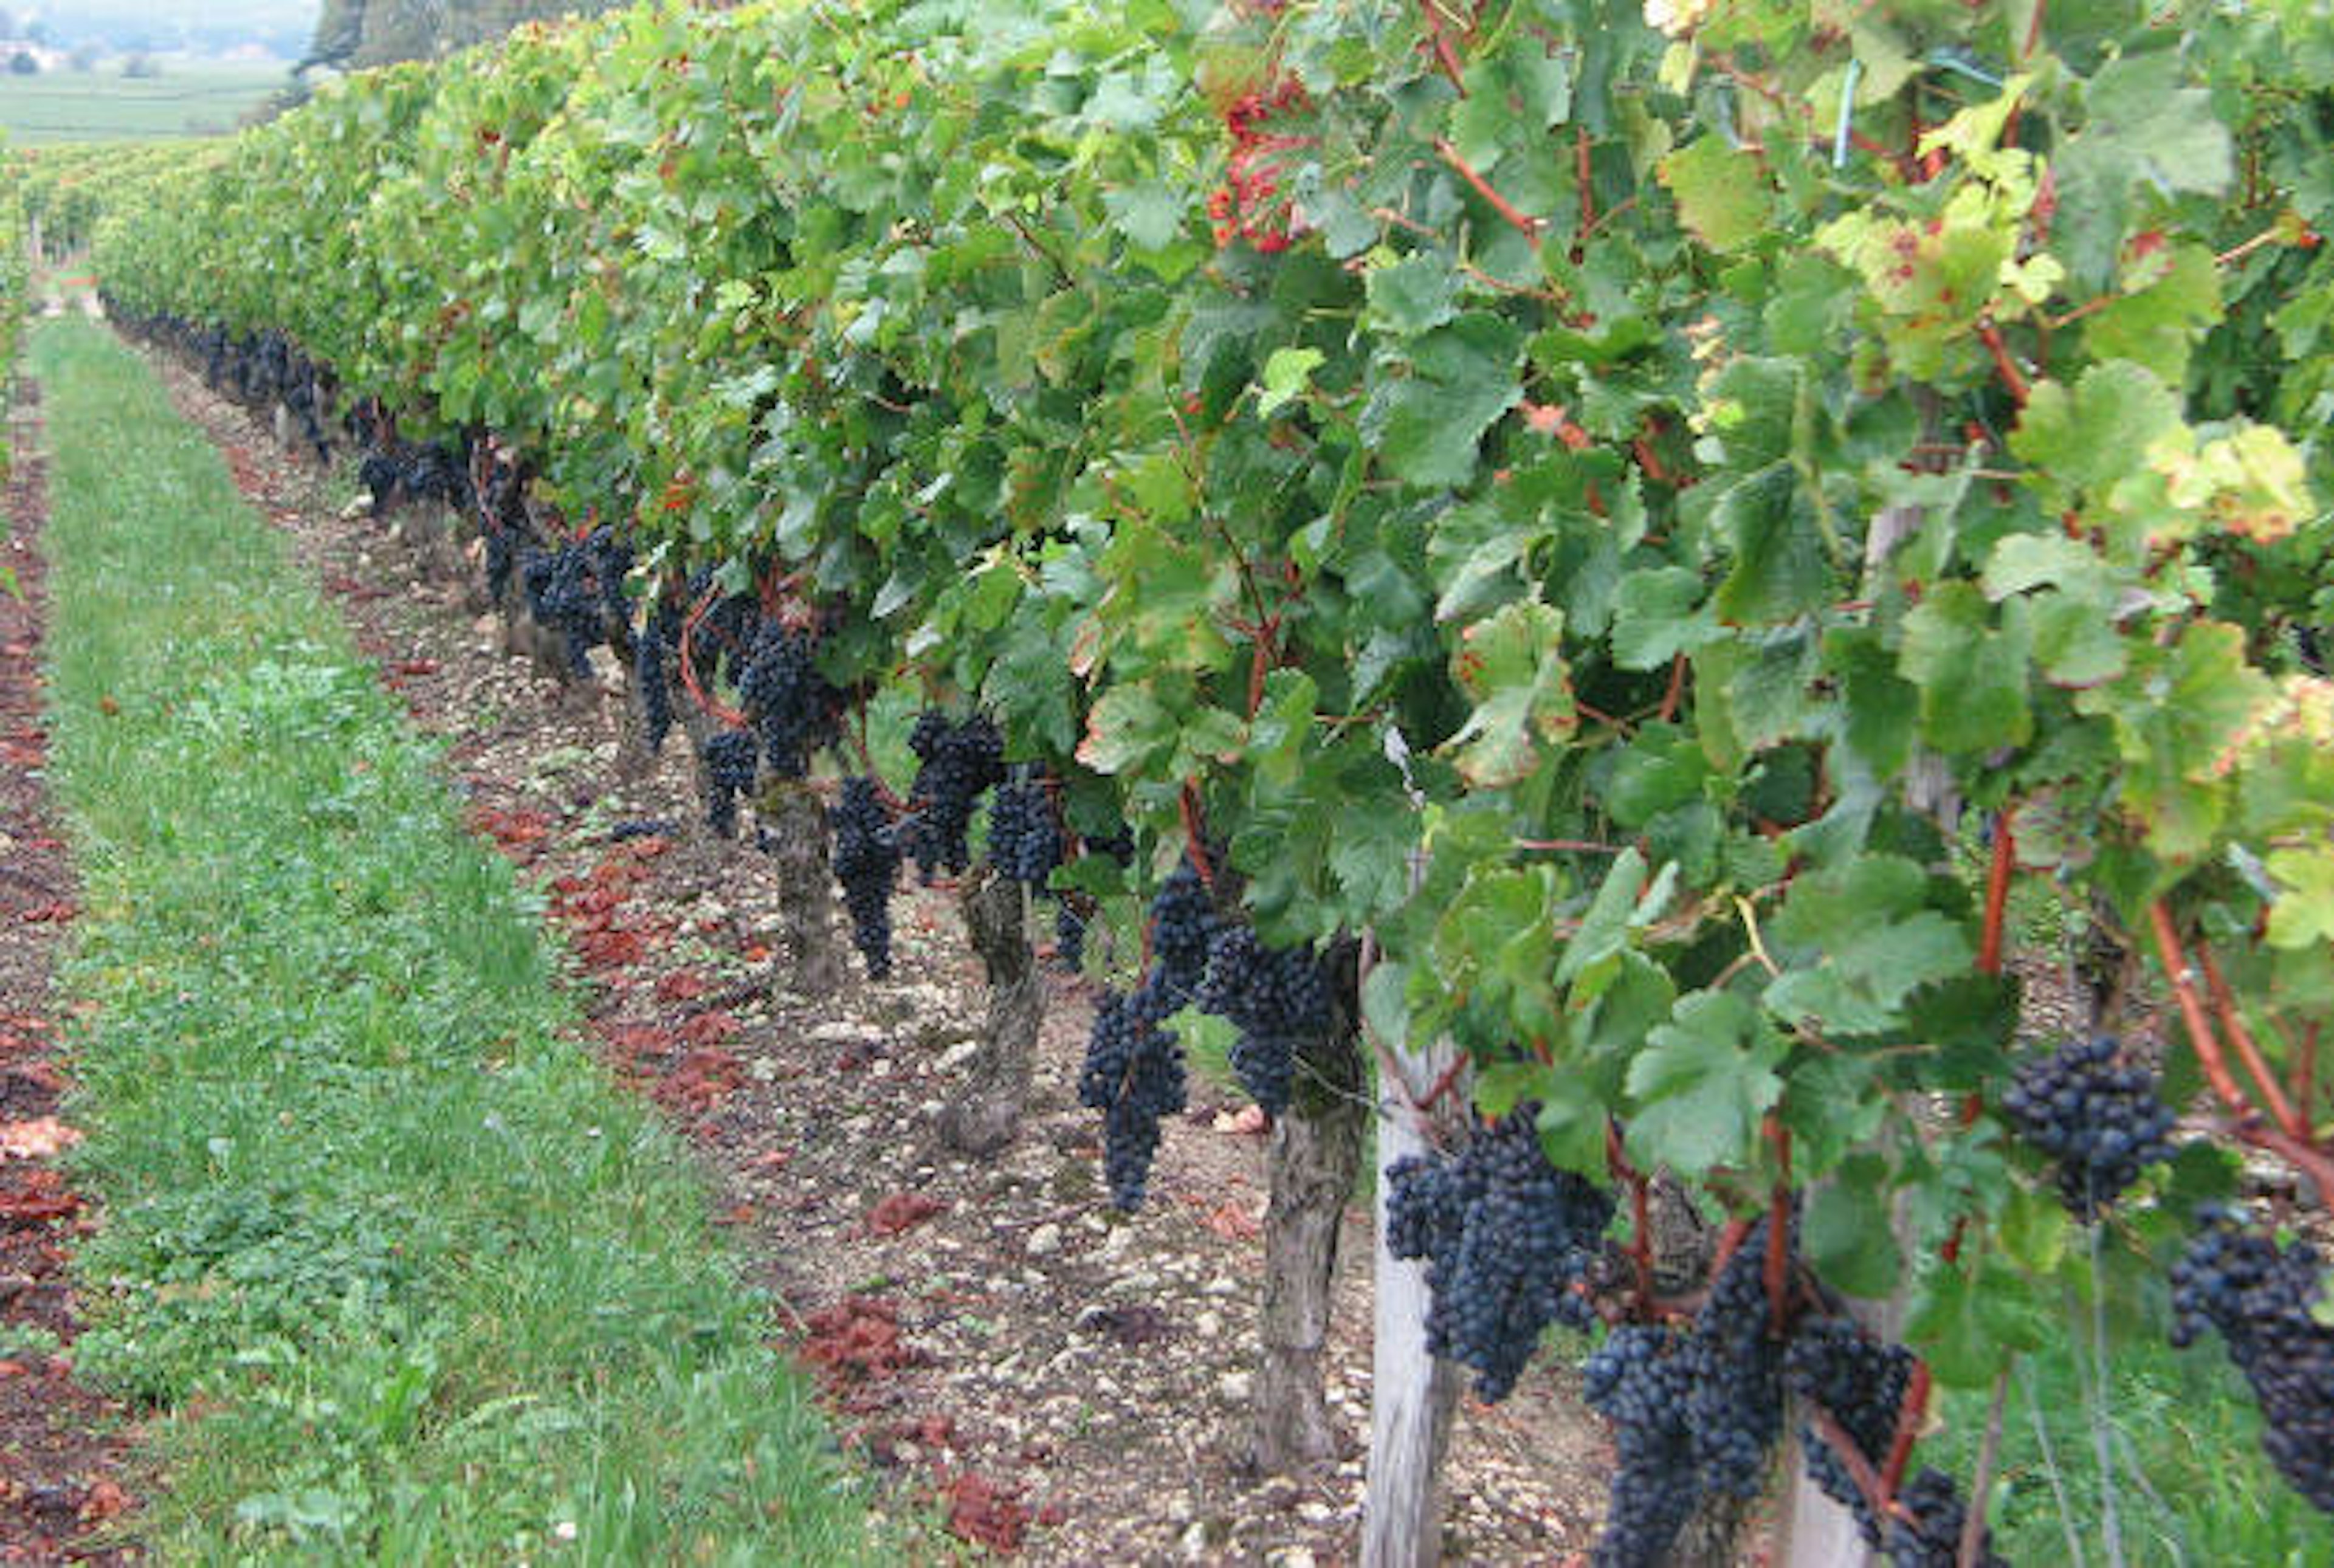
<point>989,1109</point>
<point>1315,1156</point>
<point>806,939</point>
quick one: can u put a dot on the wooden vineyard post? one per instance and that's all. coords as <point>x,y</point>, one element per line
<point>1412,1395</point>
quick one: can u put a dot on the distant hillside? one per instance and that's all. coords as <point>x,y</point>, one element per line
<point>282,27</point>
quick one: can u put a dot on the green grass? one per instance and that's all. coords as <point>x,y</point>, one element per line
<point>2191,1486</point>
<point>407,1279</point>
<point>197,98</point>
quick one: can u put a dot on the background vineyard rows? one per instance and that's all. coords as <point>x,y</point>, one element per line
<point>1633,509</point>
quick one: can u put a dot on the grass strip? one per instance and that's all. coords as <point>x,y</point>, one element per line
<point>410,1279</point>
<point>2192,1485</point>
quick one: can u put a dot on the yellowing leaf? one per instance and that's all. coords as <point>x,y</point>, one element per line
<point>1721,194</point>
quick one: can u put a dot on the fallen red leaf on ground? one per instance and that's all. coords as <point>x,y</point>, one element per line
<point>709,1028</point>
<point>36,1139</point>
<point>901,1210</point>
<point>680,986</point>
<point>980,1511</point>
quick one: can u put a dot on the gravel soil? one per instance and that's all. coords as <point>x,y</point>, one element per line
<point>62,1492</point>
<point>1047,1378</point>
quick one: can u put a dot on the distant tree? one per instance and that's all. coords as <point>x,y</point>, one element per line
<point>22,64</point>
<point>142,65</point>
<point>340,29</point>
<point>84,57</point>
<point>36,32</point>
<point>359,33</point>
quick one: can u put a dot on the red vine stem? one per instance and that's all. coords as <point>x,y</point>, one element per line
<point>1640,1251</point>
<point>892,803</point>
<point>1915,1411</point>
<point>1778,1229</point>
<point>2011,377</point>
<point>1670,699</point>
<point>1525,223</point>
<point>729,715</point>
<point>1582,174</point>
<point>1445,55</point>
<point>2224,1004</point>
<point>1729,1240</point>
<point>1443,1085</point>
<point>2296,1151</point>
<point>1187,806</point>
<point>1880,1499</point>
<point>2192,1013</point>
<point>1997,893</point>
<point>2244,248</point>
<point>2305,1073</point>
<point>2087,307</point>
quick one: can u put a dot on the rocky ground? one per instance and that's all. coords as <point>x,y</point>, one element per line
<point>1052,1379</point>
<point>62,1445</point>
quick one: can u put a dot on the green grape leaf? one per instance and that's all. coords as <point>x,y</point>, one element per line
<point>1702,1085</point>
<point>1425,425</point>
<point>1971,677</point>
<point>2179,712</point>
<point>1658,614</point>
<point>1780,569</point>
<point>1870,940</point>
<point>2086,440</point>
<point>1965,1327</point>
<point>1127,730</point>
<point>2303,914</point>
<point>1287,373</point>
<point>1512,667</point>
<point>1847,1230</point>
<point>1413,294</point>
<point>1150,215</point>
<point>2162,134</point>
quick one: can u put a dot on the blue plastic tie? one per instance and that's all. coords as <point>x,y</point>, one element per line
<point>1846,113</point>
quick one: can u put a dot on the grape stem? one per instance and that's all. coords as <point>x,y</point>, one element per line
<point>729,715</point>
<point>892,803</point>
<point>2237,252</point>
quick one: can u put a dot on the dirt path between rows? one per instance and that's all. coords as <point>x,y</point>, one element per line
<point>62,1448</point>
<point>1055,1380</point>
